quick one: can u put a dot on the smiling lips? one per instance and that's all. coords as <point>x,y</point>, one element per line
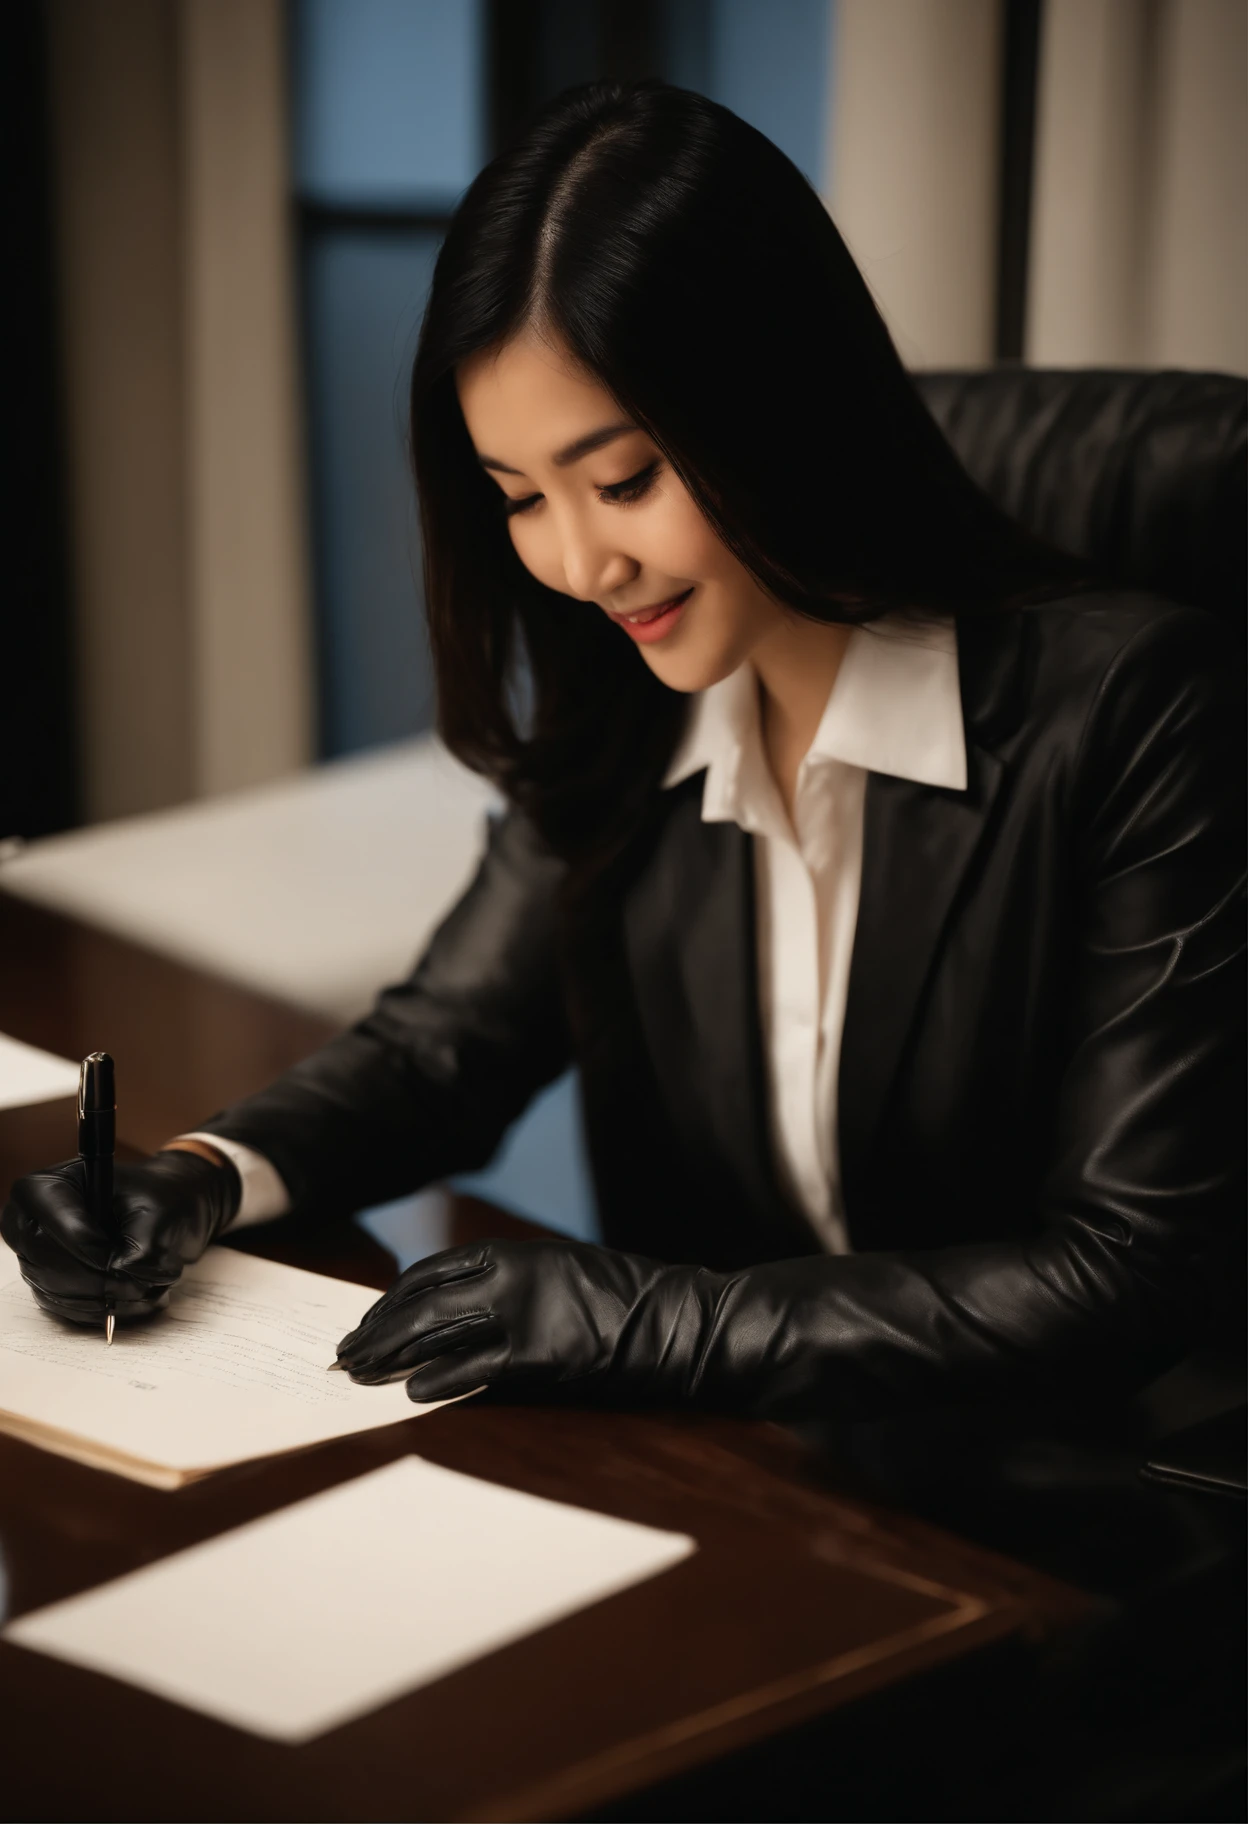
<point>655,623</point>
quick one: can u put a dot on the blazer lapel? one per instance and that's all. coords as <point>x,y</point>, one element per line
<point>690,938</point>
<point>918,843</point>
<point>689,933</point>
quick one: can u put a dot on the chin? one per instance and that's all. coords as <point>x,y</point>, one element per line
<point>690,671</point>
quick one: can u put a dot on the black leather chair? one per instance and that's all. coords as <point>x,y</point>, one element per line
<point>1145,475</point>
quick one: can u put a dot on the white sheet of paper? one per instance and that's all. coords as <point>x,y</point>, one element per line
<point>29,1075</point>
<point>321,1612</point>
<point>236,1368</point>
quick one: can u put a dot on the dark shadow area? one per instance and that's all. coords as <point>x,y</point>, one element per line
<point>38,758</point>
<point>1135,1716</point>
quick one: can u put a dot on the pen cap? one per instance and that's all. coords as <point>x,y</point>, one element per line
<point>97,1104</point>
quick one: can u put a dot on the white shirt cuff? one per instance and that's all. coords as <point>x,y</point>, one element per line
<point>264,1194</point>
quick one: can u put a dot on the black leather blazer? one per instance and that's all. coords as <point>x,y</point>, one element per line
<point>1040,1108</point>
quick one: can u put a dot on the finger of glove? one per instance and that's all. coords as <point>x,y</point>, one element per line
<point>423,1307</point>
<point>459,1371</point>
<point>409,1351</point>
<point>168,1209</point>
<point>93,1311</point>
<point>49,1270</point>
<point>426,1275</point>
<point>411,1303</point>
<point>54,1204</point>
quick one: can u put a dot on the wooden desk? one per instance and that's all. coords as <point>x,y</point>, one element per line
<point>800,1599</point>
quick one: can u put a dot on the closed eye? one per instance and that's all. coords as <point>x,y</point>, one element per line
<point>621,493</point>
<point>524,505</point>
<point>618,493</point>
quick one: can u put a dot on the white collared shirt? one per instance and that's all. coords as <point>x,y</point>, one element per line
<point>895,707</point>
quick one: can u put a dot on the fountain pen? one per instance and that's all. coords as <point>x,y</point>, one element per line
<point>97,1124</point>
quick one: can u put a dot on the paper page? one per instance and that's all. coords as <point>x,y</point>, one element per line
<point>319,1613</point>
<point>237,1367</point>
<point>29,1075</point>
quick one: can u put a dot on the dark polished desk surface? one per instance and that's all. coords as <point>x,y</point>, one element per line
<point>801,1598</point>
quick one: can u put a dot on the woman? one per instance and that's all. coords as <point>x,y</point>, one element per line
<point>878,871</point>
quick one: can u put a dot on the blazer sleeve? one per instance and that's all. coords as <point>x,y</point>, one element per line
<point>1143,1185</point>
<point>430,1080</point>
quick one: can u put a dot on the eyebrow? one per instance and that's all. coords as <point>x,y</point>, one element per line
<point>572,452</point>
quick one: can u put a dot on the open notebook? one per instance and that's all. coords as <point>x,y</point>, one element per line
<point>235,1368</point>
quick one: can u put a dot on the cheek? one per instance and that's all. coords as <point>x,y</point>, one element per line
<point>674,539</point>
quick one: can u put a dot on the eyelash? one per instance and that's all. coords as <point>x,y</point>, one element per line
<point>619,494</point>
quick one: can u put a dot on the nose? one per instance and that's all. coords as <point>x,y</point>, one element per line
<point>594,569</point>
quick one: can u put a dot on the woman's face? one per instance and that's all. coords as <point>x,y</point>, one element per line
<point>596,512</point>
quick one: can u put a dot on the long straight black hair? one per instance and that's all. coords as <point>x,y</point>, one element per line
<point>687,264</point>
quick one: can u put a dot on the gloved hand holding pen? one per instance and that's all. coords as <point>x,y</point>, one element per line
<point>165,1212</point>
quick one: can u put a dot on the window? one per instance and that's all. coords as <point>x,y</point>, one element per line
<point>389,130</point>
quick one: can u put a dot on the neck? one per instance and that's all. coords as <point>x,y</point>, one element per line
<point>797,665</point>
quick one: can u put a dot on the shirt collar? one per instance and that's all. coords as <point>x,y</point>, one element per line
<point>896,707</point>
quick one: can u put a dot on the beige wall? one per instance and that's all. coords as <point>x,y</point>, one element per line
<point>245,548</point>
<point>913,167</point>
<point>1139,252</point>
<point>1198,257</point>
<point>114,85</point>
<point>1139,248</point>
<point>177,323</point>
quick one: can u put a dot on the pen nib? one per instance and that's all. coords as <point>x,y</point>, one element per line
<point>110,1323</point>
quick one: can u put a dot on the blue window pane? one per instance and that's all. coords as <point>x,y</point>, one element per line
<point>767,60</point>
<point>363,296</point>
<point>389,105</point>
<point>769,63</point>
<point>541,1169</point>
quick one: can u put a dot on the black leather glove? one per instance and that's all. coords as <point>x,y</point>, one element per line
<point>533,1315</point>
<point>166,1211</point>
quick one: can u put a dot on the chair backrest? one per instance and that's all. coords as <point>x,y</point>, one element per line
<point>1143,474</point>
